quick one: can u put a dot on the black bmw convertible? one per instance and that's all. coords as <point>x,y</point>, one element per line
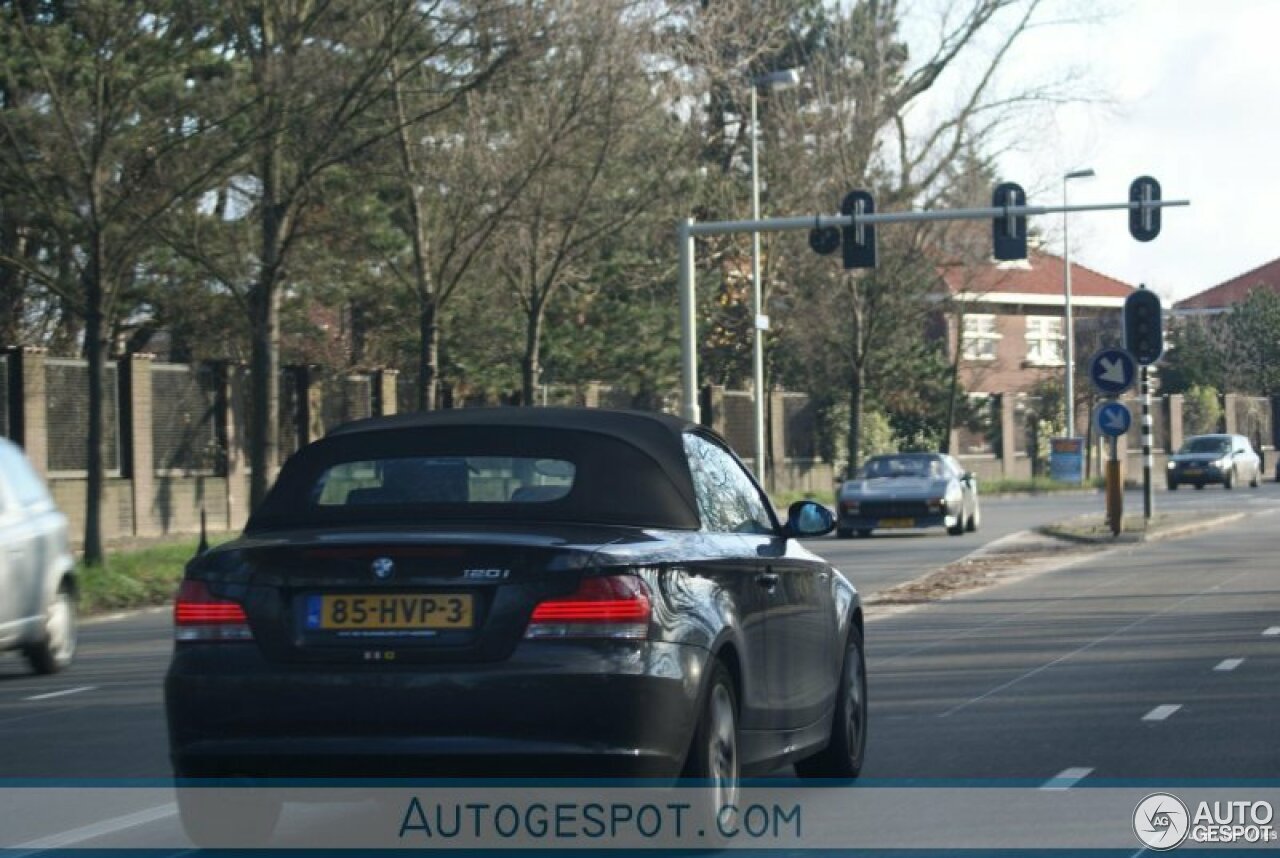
<point>519,592</point>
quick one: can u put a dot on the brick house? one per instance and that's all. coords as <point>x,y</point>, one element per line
<point>1220,298</point>
<point>1011,319</point>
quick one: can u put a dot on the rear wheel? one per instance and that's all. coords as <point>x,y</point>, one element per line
<point>57,648</point>
<point>1229,479</point>
<point>1173,485</point>
<point>975,519</point>
<point>843,532</point>
<point>1257,478</point>
<point>713,757</point>
<point>843,756</point>
<point>863,533</point>
<point>957,529</point>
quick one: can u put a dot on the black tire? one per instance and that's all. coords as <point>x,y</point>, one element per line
<point>56,649</point>
<point>713,756</point>
<point>1229,479</point>
<point>843,532</point>
<point>227,817</point>
<point>863,533</point>
<point>958,528</point>
<point>1172,485</point>
<point>1257,478</point>
<point>972,524</point>
<point>846,748</point>
<point>1199,487</point>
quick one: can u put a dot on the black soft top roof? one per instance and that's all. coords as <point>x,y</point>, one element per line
<point>631,466</point>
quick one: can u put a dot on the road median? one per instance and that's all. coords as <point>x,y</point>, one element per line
<point>1032,552</point>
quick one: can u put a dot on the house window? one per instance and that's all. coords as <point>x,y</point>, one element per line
<point>1044,340</point>
<point>980,337</point>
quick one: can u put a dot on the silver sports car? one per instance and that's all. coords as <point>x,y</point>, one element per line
<point>908,490</point>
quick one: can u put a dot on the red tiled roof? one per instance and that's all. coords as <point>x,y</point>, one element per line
<point>1043,276</point>
<point>1234,290</point>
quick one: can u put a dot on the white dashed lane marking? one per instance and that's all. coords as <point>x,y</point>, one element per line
<point>1229,664</point>
<point>1066,779</point>
<point>1162,712</point>
<point>52,694</point>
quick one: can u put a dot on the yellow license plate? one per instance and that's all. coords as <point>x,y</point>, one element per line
<point>391,611</point>
<point>897,522</point>
<point>1193,472</point>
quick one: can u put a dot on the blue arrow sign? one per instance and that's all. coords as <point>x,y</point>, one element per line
<point>1113,371</point>
<point>1113,419</point>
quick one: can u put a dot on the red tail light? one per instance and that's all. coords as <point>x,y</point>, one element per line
<point>198,615</point>
<point>613,606</point>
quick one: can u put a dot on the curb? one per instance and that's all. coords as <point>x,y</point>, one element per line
<point>1138,537</point>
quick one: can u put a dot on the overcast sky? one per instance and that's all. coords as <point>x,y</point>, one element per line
<point>1194,88</point>
<point>1186,91</point>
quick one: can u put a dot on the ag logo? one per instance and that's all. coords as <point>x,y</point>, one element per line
<point>383,568</point>
<point>1161,821</point>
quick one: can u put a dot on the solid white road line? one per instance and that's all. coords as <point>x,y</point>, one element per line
<point>63,693</point>
<point>1066,779</point>
<point>1273,631</point>
<point>98,829</point>
<point>1229,664</point>
<point>1162,712</point>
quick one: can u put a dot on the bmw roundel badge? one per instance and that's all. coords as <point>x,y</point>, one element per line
<point>383,568</point>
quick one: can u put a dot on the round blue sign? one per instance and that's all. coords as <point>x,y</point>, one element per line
<point>1113,371</point>
<point>1113,419</point>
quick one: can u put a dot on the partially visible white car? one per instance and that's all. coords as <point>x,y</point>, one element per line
<point>37,573</point>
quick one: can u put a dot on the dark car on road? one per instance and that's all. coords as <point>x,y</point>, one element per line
<point>908,491</point>
<point>1227,460</point>
<point>517,591</point>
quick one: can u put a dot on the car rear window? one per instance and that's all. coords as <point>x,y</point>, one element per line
<point>443,480</point>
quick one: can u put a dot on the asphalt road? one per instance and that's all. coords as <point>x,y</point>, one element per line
<point>1149,661</point>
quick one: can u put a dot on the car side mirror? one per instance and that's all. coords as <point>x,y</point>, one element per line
<point>808,518</point>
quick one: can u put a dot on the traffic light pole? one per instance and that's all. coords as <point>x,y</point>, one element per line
<point>1148,501</point>
<point>688,230</point>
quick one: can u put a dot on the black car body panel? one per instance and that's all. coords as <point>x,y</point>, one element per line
<point>487,699</point>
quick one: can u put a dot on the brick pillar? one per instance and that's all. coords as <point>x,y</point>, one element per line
<point>228,415</point>
<point>310,405</point>
<point>29,415</point>
<point>776,437</point>
<point>1173,414</point>
<point>384,392</point>
<point>1229,412</point>
<point>711,406</point>
<point>1008,451</point>
<point>138,463</point>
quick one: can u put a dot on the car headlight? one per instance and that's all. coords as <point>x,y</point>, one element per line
<point>1172,465</point>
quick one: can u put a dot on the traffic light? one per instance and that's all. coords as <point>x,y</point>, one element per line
<point>1144,223</point>
<point>1143,326</point>
<point>1009,233</point>
<point>824,240</point>
<point>858,242</point>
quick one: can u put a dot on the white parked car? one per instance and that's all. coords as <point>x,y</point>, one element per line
<point>37,573</point>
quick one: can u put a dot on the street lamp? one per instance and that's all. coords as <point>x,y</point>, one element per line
<point>759,321</point>
<point>1070,355</point>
